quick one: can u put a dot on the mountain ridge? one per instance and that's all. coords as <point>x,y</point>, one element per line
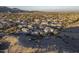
<point>10,10</point>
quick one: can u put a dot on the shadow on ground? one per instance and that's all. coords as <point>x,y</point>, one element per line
<point>4,46</point>
<point>67,41</point>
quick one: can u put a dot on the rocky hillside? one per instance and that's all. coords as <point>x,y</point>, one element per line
<point>39,32</point>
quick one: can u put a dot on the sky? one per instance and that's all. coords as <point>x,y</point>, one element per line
<point>47,8</point>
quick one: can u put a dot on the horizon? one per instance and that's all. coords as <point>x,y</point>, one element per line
<point>47,8</point>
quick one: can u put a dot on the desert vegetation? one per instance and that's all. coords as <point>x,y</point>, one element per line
<point>39,32</point>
